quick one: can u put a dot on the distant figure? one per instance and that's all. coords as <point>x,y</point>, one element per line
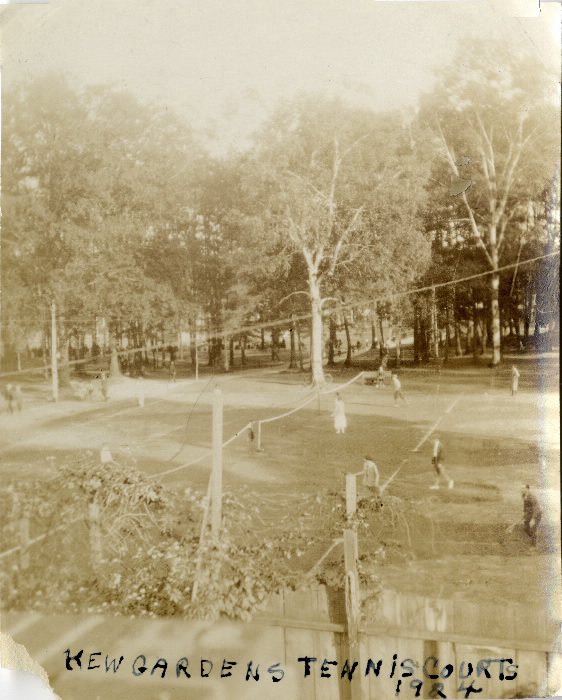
<point>397,389</point>
<point>251,439</point>
<point>105,455</point>
<point>371,476</point>
<point>437,462</point>
<point>18,396</point>
<point>532,514</point>
<point>104,386</point>
<point>380,376</point>
<point>172,371</point>
<point>340,421</point>
<point>515,374</point>
<point>9,395</point>
<point>140,394</point>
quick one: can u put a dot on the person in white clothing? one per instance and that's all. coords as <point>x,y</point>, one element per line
<point>105,455</point>
<point>437,462</point>
<point>515,374</point>
<point>371,475</point>
<point>397,389</point>
<point>340,421</point>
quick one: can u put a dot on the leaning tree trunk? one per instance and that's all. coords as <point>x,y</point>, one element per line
<point>316,329</point>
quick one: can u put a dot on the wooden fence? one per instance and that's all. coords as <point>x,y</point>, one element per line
<point>451,634</point>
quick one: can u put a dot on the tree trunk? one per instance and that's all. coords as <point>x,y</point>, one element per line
<point>243,340</point>
<point>382,347</point>
<point>348,360</point>
<point>64,367</point>
<point>434,324</point>
<point>457,329</point>
<point>227,355</point>
<point>447,333</point>
<point>293,357</point>
<point>495,299</point>
<point>299,344</point>
<point>373,330</point>
<point>332,341</point>
<point>416,334</point>
<point>262,343</point>
<point>316,329</point>
<point>114,368</point>
<point>398,343</point>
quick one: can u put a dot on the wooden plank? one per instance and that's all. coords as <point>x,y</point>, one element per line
<point>531,674</point>
<point>302,605</point>
<point>407,649</point>
<point>300,643</point>
<point>554,674</point>
<point>380,687</point>
<point>439,614</point>
<point>387,630</point>
<point>491,687</point>
<point>327,646</point>
<point>530,623</point>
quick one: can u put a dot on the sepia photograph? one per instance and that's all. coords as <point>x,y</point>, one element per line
<point>279,350</point>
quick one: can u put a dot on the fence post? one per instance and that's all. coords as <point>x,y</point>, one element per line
<point>216,490</point>
<point>353,608</point>
<point>24,541</point>
<point>95,535</point>
<point>259,436</point>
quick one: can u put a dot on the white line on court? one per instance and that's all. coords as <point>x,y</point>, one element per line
<point>437,422</point>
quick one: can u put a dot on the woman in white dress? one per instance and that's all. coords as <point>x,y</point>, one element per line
<point>340,421</point>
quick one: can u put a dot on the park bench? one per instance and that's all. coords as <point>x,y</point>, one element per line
<point>370,377</point>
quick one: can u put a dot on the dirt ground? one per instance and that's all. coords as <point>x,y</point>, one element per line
<point>494,444</point>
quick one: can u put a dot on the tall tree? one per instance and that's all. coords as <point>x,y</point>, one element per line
<point>493,118</point>
<point>338,188</point>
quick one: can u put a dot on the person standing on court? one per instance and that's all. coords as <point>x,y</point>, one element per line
<point>104,386</point>
<point>172,371</point>
<point>340,421</point>
<point>532,514</point>
<point>397,389</point>
<point>371,475</point>
<point>9,395</point>
<point>515,374</point>
<point>437,462</point>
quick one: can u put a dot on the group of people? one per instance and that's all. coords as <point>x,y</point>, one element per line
<point>14,397</point>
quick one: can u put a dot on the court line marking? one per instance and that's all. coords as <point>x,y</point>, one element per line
<point>437,422</point>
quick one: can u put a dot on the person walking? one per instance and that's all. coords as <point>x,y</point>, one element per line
<point>340,421</point>
<point>172,371</point>
<point>380,376</point>
<point>532,514</point>
<point>397,389</point>
<point>104,386</point>
<point>515,374</point>
<point>437,462</point>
